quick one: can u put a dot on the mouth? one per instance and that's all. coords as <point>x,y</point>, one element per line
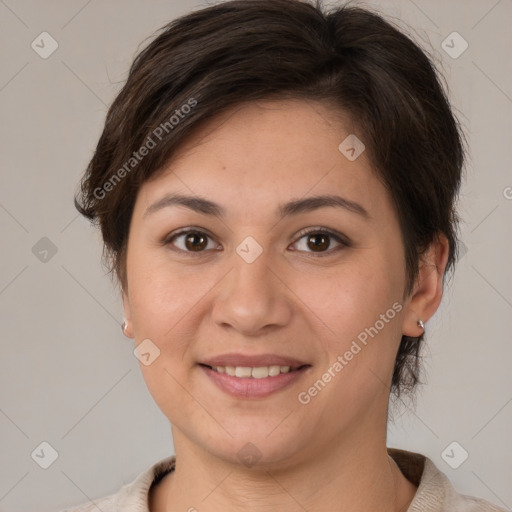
<point>254,372</point>
<point>253,376</point>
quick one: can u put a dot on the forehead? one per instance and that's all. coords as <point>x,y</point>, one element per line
<point>264,151</point>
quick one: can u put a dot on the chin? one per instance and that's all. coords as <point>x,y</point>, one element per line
<point>256,446</point>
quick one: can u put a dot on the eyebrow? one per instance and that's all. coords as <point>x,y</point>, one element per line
<point>294,207</point>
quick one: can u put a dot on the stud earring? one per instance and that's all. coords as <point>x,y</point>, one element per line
<point>421,324</point>
<point>123,327</point>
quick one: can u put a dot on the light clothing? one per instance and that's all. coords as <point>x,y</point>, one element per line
<point>434,494</point>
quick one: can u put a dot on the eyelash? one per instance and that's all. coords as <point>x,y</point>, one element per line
<point>338,237</point>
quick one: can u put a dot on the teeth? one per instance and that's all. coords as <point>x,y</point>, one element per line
<point>274,370</point>
<point>243,371</point>
<point>259,372</point>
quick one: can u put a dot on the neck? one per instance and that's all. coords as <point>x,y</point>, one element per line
<point>356,476</point>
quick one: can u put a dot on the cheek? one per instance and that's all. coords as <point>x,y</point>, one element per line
<point>163,304</point>
<point>357,315</point>
<point>163,294</point>
<point>358,322</point>
<point>352,296</point>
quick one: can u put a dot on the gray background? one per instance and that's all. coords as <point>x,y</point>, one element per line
<point>68,376</point>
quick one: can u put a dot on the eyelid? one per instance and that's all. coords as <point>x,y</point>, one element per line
<point>325,230</point>
<point>342,240</point>
<point>167,240</point>
<point>184,231</point>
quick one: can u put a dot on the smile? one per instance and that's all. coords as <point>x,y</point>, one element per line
<point>256,372</point>
<point>253,382</point>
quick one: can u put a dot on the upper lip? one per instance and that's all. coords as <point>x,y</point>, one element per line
<point>253,361</point>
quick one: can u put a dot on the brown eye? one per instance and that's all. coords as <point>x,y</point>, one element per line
<point>190,241</point>
<point>318,242</point>
<point>195,241</point>
<point>321,242</point>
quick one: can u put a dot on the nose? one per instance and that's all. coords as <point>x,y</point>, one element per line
<point>252,299</point>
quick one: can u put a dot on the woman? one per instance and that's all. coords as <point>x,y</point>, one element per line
<point>275,187</point>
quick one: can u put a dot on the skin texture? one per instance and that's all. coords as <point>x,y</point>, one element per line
<point>293,300</point>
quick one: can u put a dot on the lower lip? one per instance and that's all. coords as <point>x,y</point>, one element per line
<point>250,387</point>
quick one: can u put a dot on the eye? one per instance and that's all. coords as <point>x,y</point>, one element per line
<point>319,240</point>
<point>191,241</point>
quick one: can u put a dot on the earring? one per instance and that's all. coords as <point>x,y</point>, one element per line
<point>421,324</point>
<point>123,327</point>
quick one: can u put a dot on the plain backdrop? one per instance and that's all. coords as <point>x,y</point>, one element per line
<point>69,378</point>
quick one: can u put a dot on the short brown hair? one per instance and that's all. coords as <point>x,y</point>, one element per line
<point>243,50</point>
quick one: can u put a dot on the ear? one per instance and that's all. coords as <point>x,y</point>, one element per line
<point>428,288</point>
<point>127,315</point>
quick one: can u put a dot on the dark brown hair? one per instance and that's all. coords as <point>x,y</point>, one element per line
<point>243,50</point>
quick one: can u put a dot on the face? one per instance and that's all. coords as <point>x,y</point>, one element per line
<point>261,276</point>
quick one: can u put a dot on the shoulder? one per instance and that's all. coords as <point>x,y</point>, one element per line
<point>435,492</point>
<point>449,498</point>
<point>132,496</point>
